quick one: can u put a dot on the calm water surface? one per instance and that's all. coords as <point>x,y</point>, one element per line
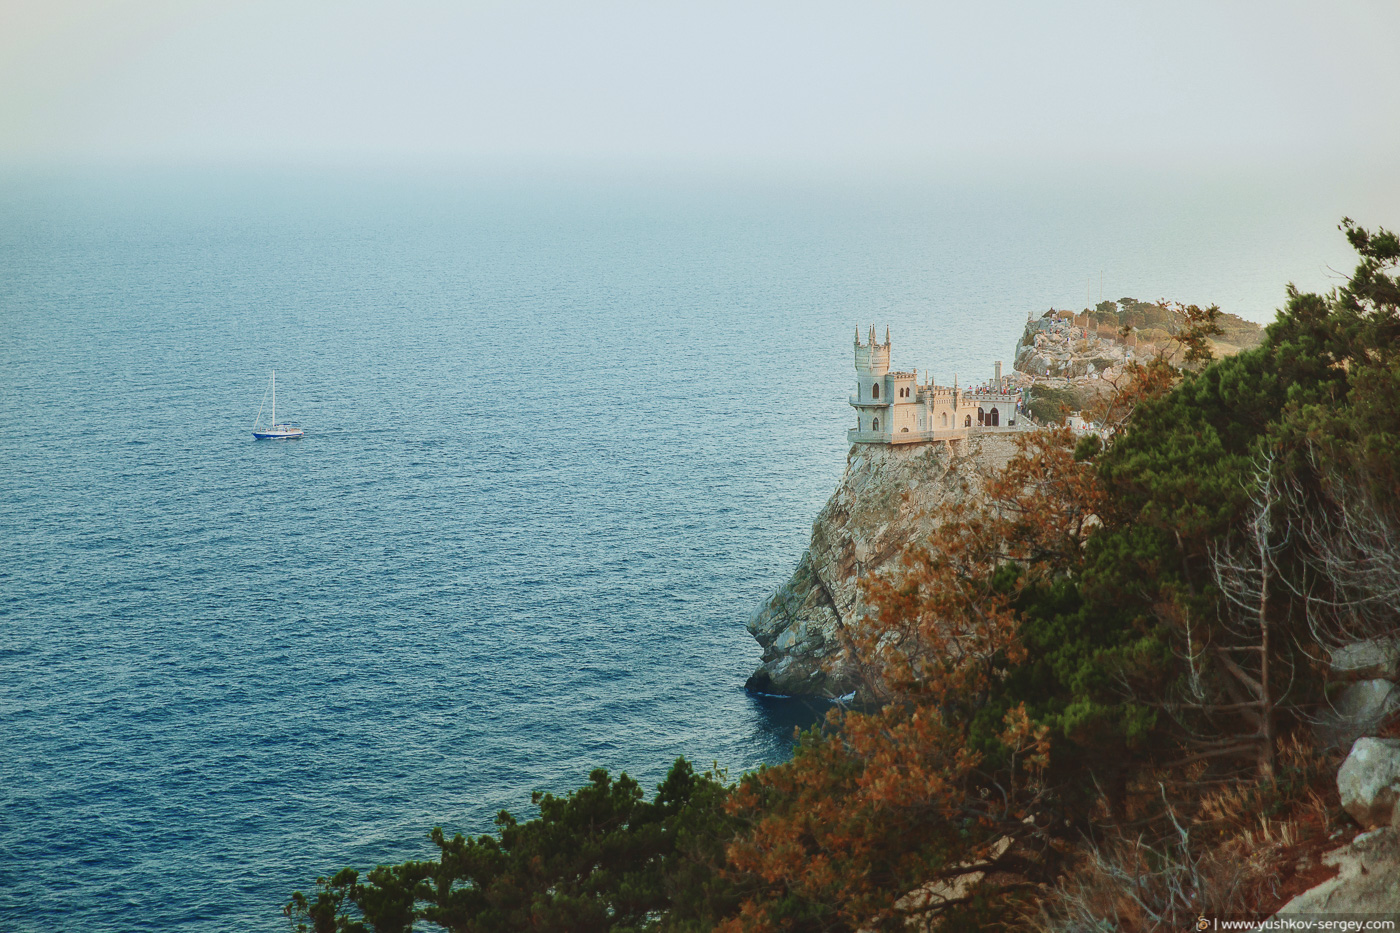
<point>561,439</point>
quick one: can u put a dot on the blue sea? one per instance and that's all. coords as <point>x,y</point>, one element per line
<point>563,434</point>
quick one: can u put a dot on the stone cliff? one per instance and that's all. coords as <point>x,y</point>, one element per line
<point>889,498</point>
<point>1069,359</point>
<point>892,495</point>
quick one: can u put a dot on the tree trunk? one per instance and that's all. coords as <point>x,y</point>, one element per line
<point>1267,762</point>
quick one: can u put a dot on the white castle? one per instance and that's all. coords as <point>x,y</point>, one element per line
<point>892,408</point>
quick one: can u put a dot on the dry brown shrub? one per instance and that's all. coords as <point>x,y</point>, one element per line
<point>1236,856</point>
<point>1131,884</point>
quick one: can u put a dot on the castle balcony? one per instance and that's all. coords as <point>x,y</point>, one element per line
<point>857,436</point>
<point>882,402</point>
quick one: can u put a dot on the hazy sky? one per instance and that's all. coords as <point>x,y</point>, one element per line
<point>863,83</point>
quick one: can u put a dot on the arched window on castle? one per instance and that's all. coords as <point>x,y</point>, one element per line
<point>995,418</point>
<point>981,415</point>
<point>875,390</point>
<point>874,424</point>
<point>945,419</point>
<point>967,422</point>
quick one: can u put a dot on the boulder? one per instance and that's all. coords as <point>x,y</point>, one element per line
<point>1367,660</point>
<point>1358,710</point>
<point>1369,781</point>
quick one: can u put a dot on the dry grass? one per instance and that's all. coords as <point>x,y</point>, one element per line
<point>1132,884</point>
<point>1247,848</point>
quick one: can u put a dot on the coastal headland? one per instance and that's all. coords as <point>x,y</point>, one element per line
<point>895,490</point>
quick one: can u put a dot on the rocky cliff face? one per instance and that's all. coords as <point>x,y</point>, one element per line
<point>888,498</point>
<point>1071,359</point>
<point>1070,348</point>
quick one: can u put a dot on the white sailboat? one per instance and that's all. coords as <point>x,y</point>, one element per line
<point>276,431</point>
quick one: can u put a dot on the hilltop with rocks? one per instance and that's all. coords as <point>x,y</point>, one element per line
<point>1069,359</point>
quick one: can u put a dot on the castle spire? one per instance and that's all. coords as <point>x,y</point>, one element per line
<point>872,335</point>
<point>887,335</point>
<point>857,336</point>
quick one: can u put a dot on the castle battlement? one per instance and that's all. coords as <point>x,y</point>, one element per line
<point>889,411</point>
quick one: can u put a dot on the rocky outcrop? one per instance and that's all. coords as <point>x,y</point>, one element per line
<point>1373,658</point>
<point>1058,345</point>
<point>1369,781</point>
<point>1360,708</point>
<point>1070,360</point>
<point>1363,692</point>
<point>890,497</point>
<point>1367,881</point>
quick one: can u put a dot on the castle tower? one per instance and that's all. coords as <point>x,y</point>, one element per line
<point>871,400</point>
<point>873,361</point>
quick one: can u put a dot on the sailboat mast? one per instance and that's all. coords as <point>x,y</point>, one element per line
<point>274,398</point>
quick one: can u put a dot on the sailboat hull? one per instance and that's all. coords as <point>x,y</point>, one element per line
<point>278,434</point>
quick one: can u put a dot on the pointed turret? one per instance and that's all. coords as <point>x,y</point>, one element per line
<point>872,362</point>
